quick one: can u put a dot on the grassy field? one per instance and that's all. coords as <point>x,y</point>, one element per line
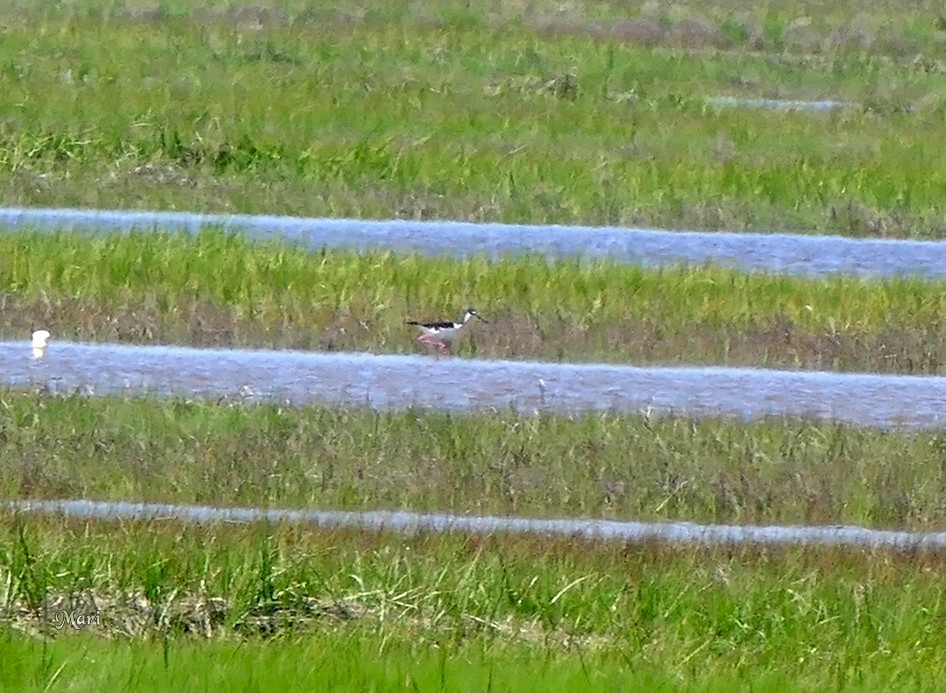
<point>220,290</point>
<point>229,602</point>
<point>627,467</point>
<point>591,113</point>
<point>440,111</point>
<point>375,611</point>
<point>352,659</point>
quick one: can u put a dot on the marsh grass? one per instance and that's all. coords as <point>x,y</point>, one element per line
<point>622,467</point>
<point>765,26</point>
<point>819,616</point>
<point>223,290</point>
<point>353,659</point>
<point>394,113</point>
<point>588,113</point>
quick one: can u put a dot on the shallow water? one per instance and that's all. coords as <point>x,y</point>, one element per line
<point>771,252</point>
<point>459,384</point>
<point>677,532</point>
<point>778,104</point>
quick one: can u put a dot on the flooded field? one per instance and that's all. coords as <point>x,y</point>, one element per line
<point>676,532</point>
<point>769,252</point>
<point>778,104</point>
<point>457,384</point>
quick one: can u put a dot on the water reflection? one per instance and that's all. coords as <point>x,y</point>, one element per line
<point>777,104</point>
<point>677,532</point>
<point>763,251</point>
<point>458,384</point>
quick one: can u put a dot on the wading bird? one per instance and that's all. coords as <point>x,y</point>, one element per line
<point>442,334</point>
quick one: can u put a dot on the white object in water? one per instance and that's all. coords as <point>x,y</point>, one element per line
<point>40,342</point>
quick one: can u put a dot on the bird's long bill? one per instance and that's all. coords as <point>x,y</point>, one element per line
<point>483,319</point>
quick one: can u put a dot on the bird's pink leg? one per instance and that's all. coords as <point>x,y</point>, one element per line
<point>430,340</point>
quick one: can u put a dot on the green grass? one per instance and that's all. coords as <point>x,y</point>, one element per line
<point>627,467</point>
<point>531,112</point>
<point>394,116</point>
<point>386,608</point>
<point>368,661</point>
<point>222,290</point>
<point>362,660</point>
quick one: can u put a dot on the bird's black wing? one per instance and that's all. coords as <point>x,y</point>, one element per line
<point>432,325</point>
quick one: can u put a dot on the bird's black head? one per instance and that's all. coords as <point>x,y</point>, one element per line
<point>471,313</point>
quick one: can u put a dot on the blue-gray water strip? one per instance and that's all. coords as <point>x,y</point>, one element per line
<point>768,252</point>
<point>778,104</point>
<point>391,381</point>
<point>408,522</point>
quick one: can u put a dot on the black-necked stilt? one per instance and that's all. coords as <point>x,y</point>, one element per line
<point>442,334</point>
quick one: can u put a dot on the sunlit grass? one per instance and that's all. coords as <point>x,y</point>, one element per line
<point>537,112</point>
<point>388,113</point>
<point>621,467</point>
<point>362,659</point>
<point>390,608</point>
<point>224,290</point>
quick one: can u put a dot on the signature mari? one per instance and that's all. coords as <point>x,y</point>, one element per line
<point>76,619</point>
